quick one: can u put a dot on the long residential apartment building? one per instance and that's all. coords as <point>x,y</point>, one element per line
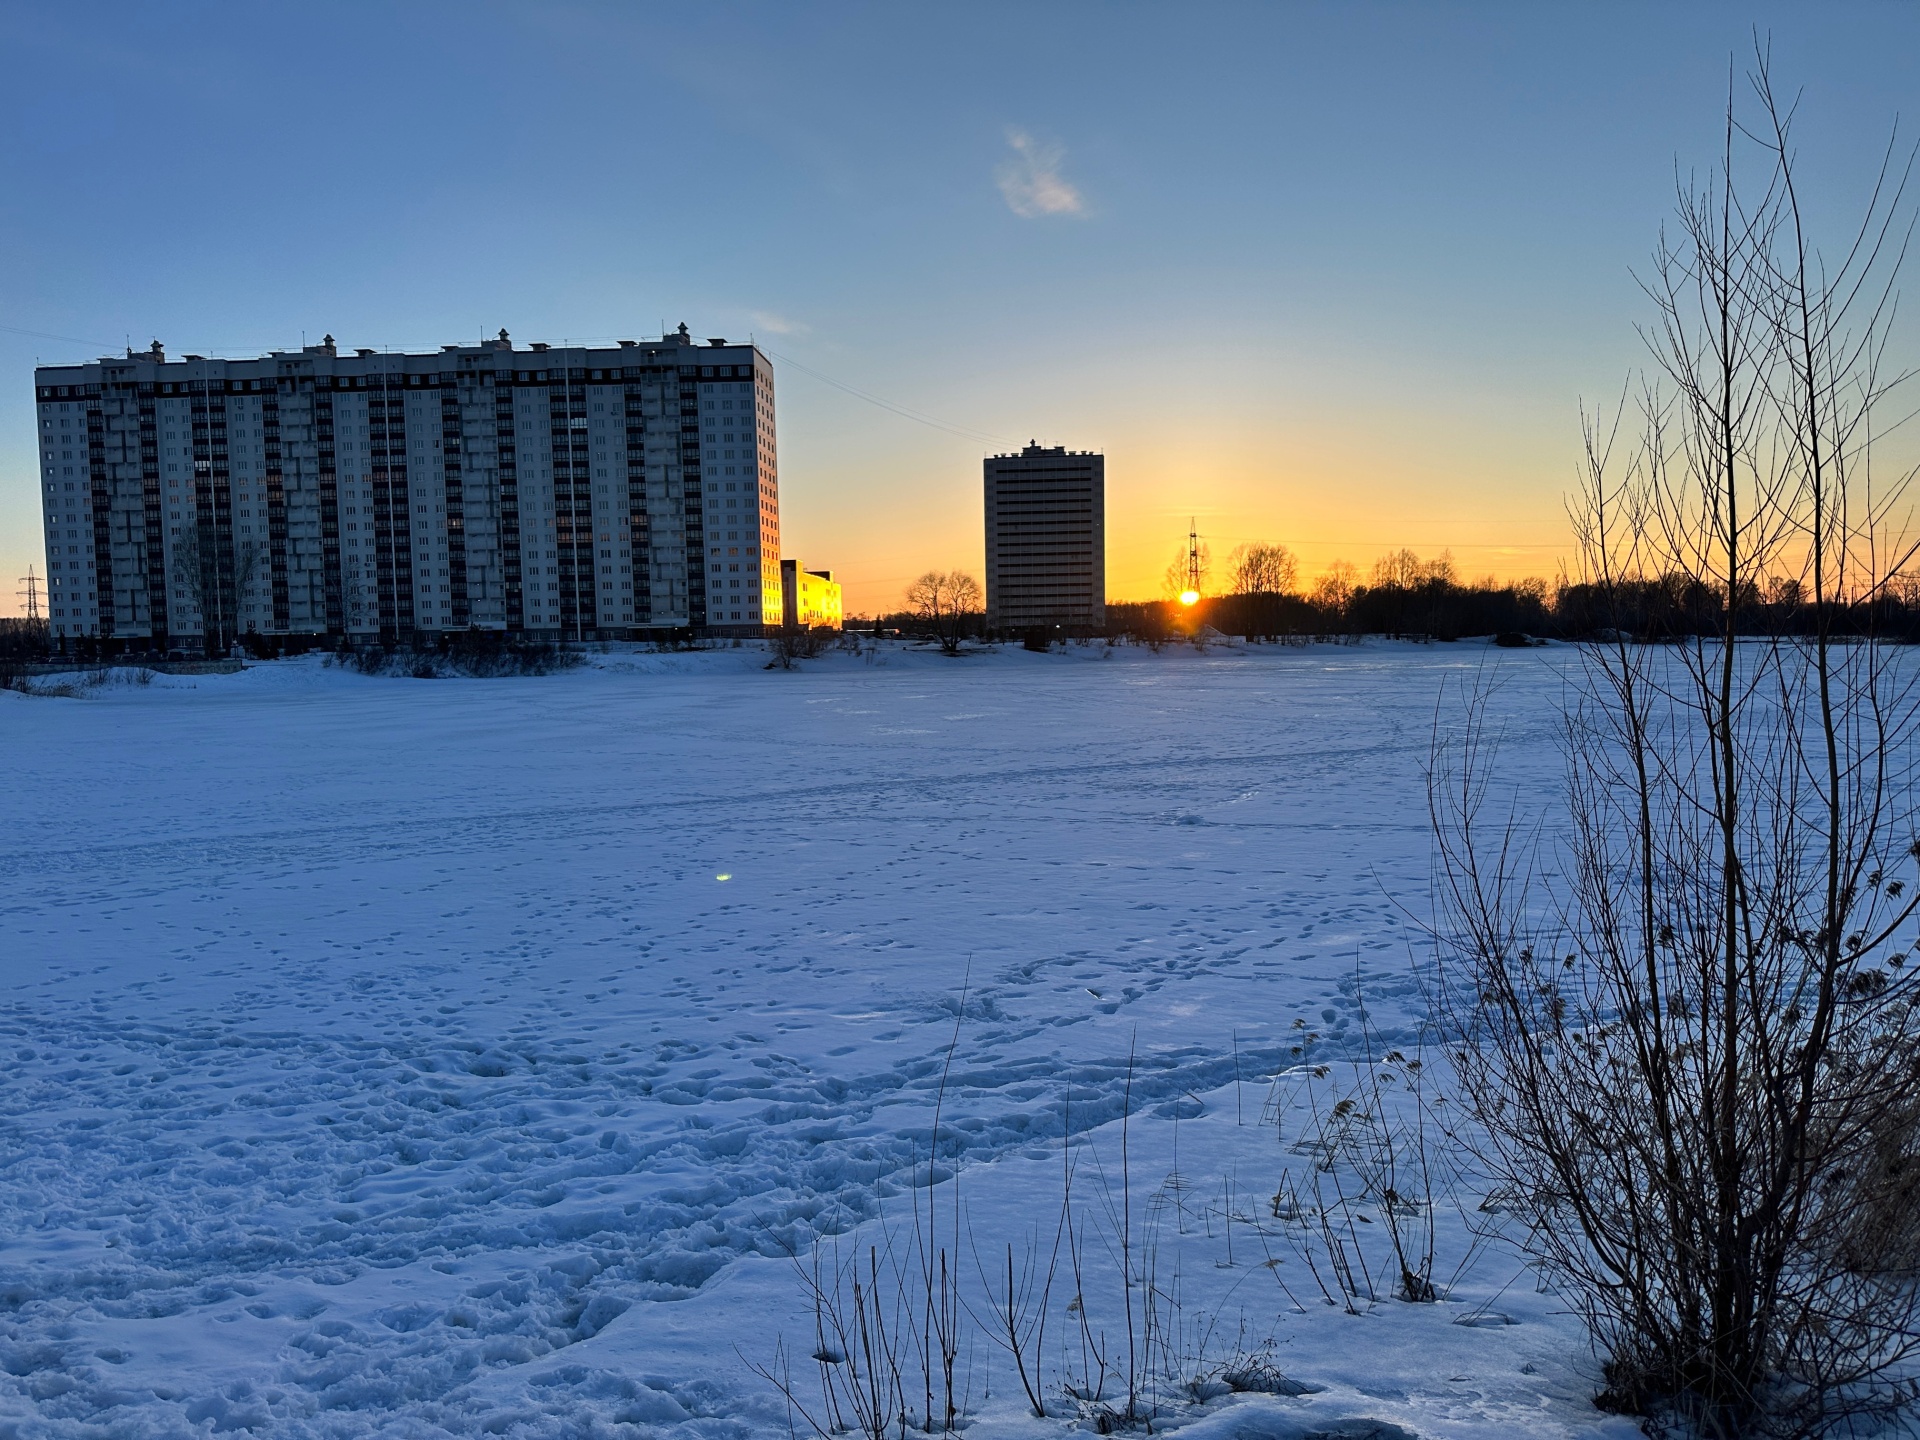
<point>560,492</point>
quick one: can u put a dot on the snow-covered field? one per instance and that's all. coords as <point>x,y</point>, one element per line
<point>395,1057</point>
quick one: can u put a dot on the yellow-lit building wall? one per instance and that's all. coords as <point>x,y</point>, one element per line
<point>812,597</point>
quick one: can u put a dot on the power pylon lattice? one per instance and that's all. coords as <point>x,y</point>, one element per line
<point>31,594</point>
<point>1193,555</point>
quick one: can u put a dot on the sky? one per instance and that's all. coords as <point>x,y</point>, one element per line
<point>1338,277</point>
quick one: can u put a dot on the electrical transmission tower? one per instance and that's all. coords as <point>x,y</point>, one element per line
<point>1193,556</point>
<point>31,594</point>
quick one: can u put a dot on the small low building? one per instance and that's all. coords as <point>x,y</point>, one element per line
<point>812,597</point>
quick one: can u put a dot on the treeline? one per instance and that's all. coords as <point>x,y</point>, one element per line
<point>1434,610</point>
<point>1653,611</point>
<point>1404,596</point>
<point>22,642</point>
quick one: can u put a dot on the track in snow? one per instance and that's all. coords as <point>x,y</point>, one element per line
<point>375,1039</point>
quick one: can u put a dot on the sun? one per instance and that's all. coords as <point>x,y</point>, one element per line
<point>1189,597</point>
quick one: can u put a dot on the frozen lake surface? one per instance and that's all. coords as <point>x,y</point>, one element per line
<point>445,1057</point>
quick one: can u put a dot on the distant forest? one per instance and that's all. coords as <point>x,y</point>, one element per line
<point>1410,598</point>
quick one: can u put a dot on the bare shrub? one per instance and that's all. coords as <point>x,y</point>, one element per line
<point>891,1326</point>
<point>22,642</point>
<point>798,642</point>
<point>881,1316</point>
<point>1377,1162</point>
<point>68,686</point>
<point>1015,1304</point>
<point>1688,1026</point>
<point>863,1342</point>
<point>475,655</point>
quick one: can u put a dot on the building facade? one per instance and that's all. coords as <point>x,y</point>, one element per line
<point>812,597</point>
<point>1046,539</point>
<point>559,493</point>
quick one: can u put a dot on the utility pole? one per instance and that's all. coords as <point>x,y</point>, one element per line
<point>31,594</point>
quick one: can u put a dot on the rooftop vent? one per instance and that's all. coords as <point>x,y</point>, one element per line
<point>716,341</point>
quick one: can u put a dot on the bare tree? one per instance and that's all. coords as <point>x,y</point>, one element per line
<point>219,599</point>
<point>1690,1033</point>
<point>1261,576</point>
<point>357,599</point>
<point>1401,568</point>
<point>1334,588</point>
<point>926,596</point>
<point>249,563</point>
<point>1263,570</point>
<point>948,603</point>
<point>1179,572</point>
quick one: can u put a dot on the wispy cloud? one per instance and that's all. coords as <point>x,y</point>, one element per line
<point>1031,180</point>
<point>777,324</point>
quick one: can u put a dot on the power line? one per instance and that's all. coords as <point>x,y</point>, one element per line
<point>966,432</point>
<point>64,339</point>
<point>1362,542</point>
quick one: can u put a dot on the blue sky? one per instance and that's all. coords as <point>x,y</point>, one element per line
<point>1334,276</point>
